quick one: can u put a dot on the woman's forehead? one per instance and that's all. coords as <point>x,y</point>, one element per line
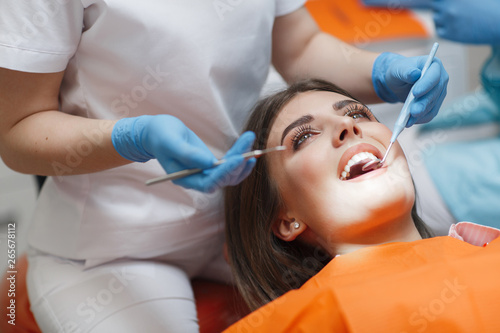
<point>310,102</point>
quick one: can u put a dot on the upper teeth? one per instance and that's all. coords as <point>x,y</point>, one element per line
<point>356,159</point>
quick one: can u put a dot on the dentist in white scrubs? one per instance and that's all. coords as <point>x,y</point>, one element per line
<point>102,95</point>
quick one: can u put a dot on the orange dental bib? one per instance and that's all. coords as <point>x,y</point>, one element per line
<point>435,285</point>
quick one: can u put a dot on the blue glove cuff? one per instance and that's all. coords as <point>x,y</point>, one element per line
<point>126,138</point>
<point>380,67</point>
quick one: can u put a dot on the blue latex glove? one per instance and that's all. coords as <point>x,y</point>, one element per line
<point>176,147</point>
<point>466,21</point>
<point>394,75</point>
<point>399,3</point>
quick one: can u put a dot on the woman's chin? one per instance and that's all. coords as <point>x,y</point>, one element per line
<point>381,195</point>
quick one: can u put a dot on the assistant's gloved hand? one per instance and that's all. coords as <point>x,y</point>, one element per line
<point>466,21</point>
<point>399,4</point>
<point>393,76</point>
<point>176,147</point>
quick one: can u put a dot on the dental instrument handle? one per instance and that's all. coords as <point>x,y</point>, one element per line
<point>178,174</point>
<point>189,172</point>
<point>386,153</point>
<point>404,115</point>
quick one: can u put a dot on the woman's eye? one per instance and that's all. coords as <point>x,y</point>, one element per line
<point>358,115</point>
<point>358,112</point>
<point>304,138</point>
<point>302,134</point>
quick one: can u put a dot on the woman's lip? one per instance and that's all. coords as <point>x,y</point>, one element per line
<point>349,153</point>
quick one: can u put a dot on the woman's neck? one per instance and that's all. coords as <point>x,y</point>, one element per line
<point>401,230</point>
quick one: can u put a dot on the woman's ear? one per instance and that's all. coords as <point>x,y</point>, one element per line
<point>288,229</point>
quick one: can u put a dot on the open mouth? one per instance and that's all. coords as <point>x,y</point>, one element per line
<point>352,161</point>
<point>354,167</point>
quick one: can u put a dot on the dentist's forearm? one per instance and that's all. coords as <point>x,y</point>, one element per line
<point>301,50</point>
<point>36,138</point>
<point>53,143</point>
<point>348,67</point>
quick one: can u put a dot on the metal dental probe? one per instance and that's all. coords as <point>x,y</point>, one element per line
<point>404,115</point>
<point>189,172</point>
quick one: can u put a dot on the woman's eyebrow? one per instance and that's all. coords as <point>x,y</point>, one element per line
<point>301,121</point>
<point>337,106</point>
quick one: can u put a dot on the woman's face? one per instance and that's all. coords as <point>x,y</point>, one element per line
<point>324,132</point>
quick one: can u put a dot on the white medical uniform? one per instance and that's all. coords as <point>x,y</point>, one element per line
<point>94,236</point>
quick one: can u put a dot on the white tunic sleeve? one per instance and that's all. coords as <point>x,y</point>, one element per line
<point>284,7</point>
<point>39,36</point>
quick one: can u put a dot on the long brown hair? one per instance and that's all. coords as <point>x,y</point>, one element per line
<point>265,267</point>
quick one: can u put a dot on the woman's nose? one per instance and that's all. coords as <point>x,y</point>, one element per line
<point>346,129</point>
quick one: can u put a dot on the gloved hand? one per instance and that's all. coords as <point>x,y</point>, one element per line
<point>466,21</point>
<point>176,147</point>
<point>393,76</point>
<point>399,3</point>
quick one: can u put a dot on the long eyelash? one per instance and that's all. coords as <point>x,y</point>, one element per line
<point>298,134</point>
<point>359,108</point>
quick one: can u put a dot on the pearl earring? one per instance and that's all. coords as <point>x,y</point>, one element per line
<point>296,225</point>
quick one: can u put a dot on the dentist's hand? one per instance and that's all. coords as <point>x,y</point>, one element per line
<point>475,22</point>
<point>394,75</point>
<point>176,147</point>
<point>399,4</point>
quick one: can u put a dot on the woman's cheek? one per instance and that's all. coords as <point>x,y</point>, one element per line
<point>312,169</point>
<point>300,180</point>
